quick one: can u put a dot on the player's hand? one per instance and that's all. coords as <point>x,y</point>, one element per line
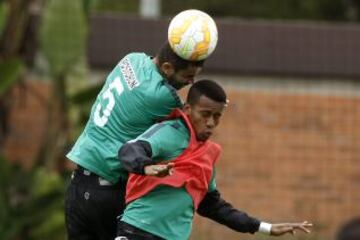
<point>159,170</point>
<point>279,229</point>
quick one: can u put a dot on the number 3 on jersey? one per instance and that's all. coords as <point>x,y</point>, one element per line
<point>101,116</point>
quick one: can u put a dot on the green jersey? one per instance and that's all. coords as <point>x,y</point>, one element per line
<point>133,98</point>
<point>165,211</point>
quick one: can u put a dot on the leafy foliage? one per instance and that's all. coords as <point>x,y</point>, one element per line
<point>31,203</point>
<point>10,73</point>
<point>3,12</point>
<point>63,34</point>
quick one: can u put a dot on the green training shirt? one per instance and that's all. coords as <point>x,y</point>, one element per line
<point>166,211</point>
<point>132,99</point>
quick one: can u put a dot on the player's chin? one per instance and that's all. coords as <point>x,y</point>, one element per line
<point>180,85</point>
<point>204,136</point>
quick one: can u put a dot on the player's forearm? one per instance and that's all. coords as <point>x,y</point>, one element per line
<point>134,156</point>
<point>217,209</point>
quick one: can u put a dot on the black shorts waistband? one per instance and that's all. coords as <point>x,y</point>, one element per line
<point>82,175</point>
<point>127,230</point>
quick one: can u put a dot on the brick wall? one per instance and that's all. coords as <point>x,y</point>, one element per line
<point>289,158</point>
<point>286,157</point>
<point>27,122</point>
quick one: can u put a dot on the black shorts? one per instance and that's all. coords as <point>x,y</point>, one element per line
<point>92,206</point>
<point>128,232</point>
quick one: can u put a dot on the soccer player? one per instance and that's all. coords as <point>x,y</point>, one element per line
<point>138,92</point>
<point>175,175</point>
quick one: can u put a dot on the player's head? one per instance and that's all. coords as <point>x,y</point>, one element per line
<point>350,230</point>
<point>204,105</point>
<point>178,72</point>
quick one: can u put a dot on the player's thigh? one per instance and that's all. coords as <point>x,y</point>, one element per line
<point>76,219</point>
<point>108,205</point>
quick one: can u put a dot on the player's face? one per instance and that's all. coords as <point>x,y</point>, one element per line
<point>184,77</point>
<point>204,116</point>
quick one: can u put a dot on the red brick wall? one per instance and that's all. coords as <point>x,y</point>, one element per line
<point>286,157</point>
<point>289,158</point>
<point>27,121</point>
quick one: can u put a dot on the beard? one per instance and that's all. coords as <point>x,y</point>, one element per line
<point>175,83</point>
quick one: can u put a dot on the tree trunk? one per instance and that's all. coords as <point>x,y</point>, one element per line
<point>10,44</point>
<point>14,29</point>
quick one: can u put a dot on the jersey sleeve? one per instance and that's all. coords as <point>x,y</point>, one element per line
<point>167,140</point>
<point>221,211</point>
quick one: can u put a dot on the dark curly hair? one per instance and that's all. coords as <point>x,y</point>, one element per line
<point>209,88</point>
<point>166,54</point>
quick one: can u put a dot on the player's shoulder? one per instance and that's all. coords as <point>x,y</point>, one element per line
<point>136,57</point>
<point>176,131</point>
<point>135,60</point>
<point>167,128</point>
<point>175,124</point>
<point>164,94</point>
<point>176,127</point>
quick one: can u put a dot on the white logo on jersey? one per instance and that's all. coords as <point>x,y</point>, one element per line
<point>128,73</point>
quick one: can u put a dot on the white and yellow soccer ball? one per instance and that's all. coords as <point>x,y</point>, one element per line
<point>193,35</point>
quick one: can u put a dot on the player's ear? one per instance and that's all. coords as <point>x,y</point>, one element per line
<point>187,109</point>
<point>167,68</point>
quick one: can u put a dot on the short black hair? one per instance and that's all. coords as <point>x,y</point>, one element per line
<point>166,54</point>
<point>350,230</point>
<point>209,88</point>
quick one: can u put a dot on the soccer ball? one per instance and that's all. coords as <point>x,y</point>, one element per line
<point>193,35</point>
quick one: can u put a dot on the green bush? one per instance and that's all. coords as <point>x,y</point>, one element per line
<point>31,203</point>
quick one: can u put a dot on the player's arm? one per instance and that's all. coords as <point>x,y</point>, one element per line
<point>146,154</point>
<point>217,209</point>
<point>136,158</point>
<point>135,155</point>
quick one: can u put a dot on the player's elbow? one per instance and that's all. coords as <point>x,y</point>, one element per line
<point>133,156</point>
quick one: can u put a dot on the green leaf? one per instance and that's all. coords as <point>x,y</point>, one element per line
<point>63,34</point>
<point>89,6</point>
<point>3,15</point>
<point>51,228</point>
<point>31,203</point>
<point>45,183</point>
<point>10,73</point>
